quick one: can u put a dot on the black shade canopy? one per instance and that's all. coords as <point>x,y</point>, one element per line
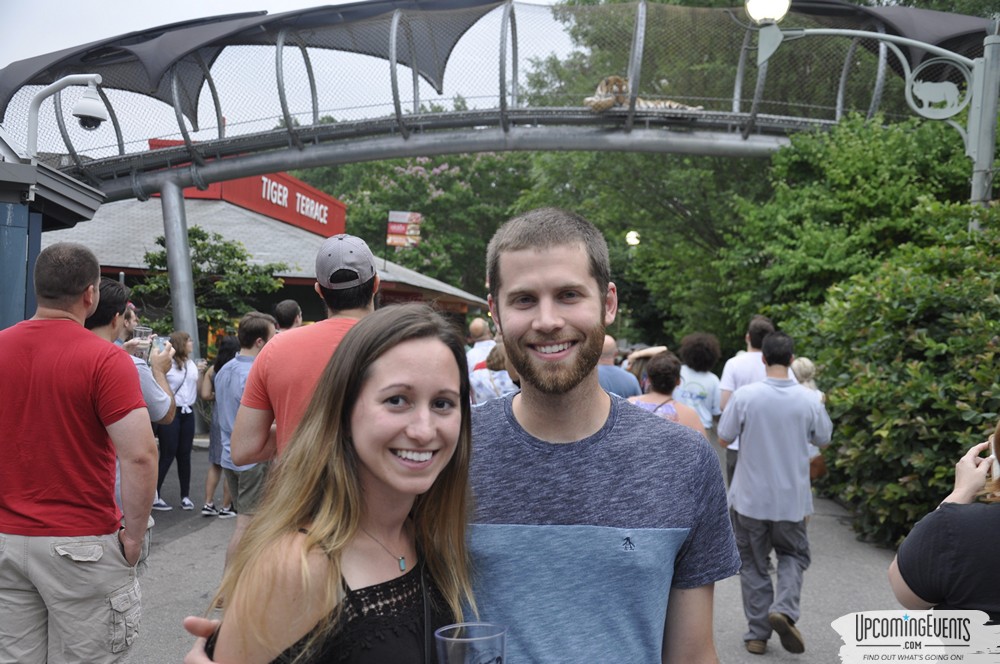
<point>956,32</point>
<point>139,61</point>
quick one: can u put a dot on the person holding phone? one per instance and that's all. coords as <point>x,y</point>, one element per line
<point>177,437</point>
<point>946,560</point>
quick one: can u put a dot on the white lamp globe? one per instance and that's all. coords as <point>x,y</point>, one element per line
<point>632,238</point>
<point>767,11</point>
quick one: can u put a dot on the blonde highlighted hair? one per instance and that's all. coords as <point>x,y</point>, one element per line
<point>315,484</point>
<point>805,372</point>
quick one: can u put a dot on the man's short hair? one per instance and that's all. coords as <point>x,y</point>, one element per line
<point>114,301</point>
<point>253,326</point>
<point>285,312</point>
<point>355,297</point>
<point>545,228</point>
<point>760,327</point>
<point>778,349</point>
<point>63,271</point>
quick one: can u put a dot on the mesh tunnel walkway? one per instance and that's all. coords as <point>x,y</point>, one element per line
<point>391,78</point>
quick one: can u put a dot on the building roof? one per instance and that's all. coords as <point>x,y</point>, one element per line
<point>121,233</point>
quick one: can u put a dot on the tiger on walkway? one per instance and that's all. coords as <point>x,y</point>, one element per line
<point>612,91</point>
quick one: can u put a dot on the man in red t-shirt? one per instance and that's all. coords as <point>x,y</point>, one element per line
<point>71,402</point>
<point>284,375</point>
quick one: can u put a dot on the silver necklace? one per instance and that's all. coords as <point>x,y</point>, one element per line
<point>400,559</point>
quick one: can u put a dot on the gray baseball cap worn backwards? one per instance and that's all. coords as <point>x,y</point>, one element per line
<point>344,252</point>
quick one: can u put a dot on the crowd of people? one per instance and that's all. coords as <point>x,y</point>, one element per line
<point>390,477</point>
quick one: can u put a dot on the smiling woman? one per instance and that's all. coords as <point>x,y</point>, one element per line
<point>362,528</point>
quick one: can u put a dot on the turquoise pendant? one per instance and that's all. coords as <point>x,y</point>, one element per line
<point>402,563</point>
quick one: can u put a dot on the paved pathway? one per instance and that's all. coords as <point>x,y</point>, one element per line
<point>186,562</point>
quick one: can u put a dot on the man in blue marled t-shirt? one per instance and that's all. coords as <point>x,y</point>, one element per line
<point>600,529</point>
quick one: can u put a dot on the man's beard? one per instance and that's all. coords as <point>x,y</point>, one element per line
<point>557,378</point>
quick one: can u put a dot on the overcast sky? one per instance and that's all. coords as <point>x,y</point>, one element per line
<point>33,27</point>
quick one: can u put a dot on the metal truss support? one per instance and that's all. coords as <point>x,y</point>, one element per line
<point>279,73</point>
<point>175,91</point>
<point>216,102</point>
<point>879,84</point>
<point>635,62</point>
<point>741,68</point>
<point>393,64</point>
<point>489,139</point>
<point>508,25</point>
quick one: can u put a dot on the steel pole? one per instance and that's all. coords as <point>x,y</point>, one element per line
<point>983,123</point>
<point>179,261</point>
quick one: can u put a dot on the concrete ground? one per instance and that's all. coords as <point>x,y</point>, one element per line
<point>188,552</point>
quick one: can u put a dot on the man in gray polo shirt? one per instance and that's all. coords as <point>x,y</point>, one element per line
<point>775,420</point>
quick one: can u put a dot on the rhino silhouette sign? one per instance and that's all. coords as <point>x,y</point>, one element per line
<point>934,92</point>
<point>939,99</point>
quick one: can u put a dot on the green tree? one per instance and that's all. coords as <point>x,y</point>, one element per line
<point>227,283</point>
<point>842,202</point>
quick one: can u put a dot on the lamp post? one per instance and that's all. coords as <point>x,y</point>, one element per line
<point>982,77</point>
<point>633,240</point>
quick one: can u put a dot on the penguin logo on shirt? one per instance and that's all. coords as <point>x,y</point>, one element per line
<point>627,544</point>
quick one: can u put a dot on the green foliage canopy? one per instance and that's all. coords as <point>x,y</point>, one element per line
<point>226,282</point>
<point>842,201</point>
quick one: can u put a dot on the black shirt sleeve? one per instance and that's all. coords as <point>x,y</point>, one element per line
<point>924,556</point>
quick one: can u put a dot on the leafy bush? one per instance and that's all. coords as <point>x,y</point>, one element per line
<point>843,201</point>
<point>909,361</point>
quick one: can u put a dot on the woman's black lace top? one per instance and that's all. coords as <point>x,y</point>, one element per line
<point>381,624</point>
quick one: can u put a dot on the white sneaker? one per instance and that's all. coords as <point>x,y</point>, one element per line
<point>161,505</point>
<point>186,503</point>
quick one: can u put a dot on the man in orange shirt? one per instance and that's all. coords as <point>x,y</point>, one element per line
<point>284,375</point>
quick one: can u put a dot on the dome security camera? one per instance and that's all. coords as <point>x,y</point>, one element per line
<point>90,109</point>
